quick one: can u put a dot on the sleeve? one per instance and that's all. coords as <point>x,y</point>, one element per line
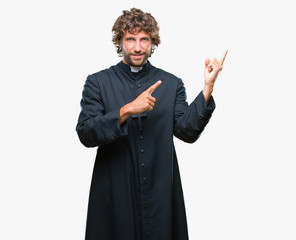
<point>95,127</point>
<point>190,121</point>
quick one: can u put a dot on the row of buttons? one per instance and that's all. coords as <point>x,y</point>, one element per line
<point>144,181</point>
<point>144,204</point>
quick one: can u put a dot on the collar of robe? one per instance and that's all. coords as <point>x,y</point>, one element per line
<point>127,68</point>
<point>136,69</point>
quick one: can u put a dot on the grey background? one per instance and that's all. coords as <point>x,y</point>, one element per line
<point>238,178</point>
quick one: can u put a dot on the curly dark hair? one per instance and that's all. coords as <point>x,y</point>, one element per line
<point>135,20</point>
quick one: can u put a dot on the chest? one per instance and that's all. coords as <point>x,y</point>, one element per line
<point>118,90</point>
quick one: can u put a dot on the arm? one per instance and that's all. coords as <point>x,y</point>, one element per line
<point>96,127</point>
<point>191,120</point>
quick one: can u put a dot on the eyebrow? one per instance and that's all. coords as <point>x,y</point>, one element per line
<point>131,36</point>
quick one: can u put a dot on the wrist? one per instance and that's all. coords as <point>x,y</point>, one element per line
<point>125,112</point>
<point>207,91</point>
<point>208,88</point>
<point>209,85</point>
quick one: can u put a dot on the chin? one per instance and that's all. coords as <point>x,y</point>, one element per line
<point>138,63</point>
<point>135,62</point>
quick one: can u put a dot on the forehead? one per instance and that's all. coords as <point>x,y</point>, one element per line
<point>136,33</point>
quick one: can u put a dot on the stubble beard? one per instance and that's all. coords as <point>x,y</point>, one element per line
<point>127,57</point>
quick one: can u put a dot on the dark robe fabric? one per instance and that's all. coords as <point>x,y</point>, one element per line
<point>136,190</point>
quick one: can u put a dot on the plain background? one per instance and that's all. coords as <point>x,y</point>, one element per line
<point>238,179</point>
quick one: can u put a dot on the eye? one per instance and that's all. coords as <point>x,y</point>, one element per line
<point>145,39</point>
<point>129,39</point>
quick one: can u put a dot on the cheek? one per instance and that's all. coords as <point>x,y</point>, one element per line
<point>147,47</point>
<point>127,47</point>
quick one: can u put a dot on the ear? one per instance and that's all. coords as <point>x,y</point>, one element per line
<point>120,46</point>
<point>152,48</point>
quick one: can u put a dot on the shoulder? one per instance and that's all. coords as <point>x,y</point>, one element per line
<point>168,77</point>
<point>101,76</point>
<point>105,73</point>
<point>165,73</point>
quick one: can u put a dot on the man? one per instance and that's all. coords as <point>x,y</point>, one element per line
<point>131,112</point>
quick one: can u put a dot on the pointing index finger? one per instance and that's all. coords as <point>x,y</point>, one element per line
<point>223,57</point>
<point>153,87</point>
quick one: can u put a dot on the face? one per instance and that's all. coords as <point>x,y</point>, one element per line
<point>136,48</point>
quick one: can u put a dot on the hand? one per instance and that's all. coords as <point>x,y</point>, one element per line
<point>212,68</point>
<point>144,102</point>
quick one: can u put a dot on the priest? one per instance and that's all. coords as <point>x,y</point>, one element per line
<point>131,111</point>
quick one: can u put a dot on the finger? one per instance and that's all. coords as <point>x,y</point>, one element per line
<point>223,57</point>
<point>152,99</point>
<point>207,61</point>
<point>153,87</point>
<point>151,104</point>
<point>210,67</point>
<point>215,64</point>
<point>148,109</point>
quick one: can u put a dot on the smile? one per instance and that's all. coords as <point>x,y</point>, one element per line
<point>137,56</point>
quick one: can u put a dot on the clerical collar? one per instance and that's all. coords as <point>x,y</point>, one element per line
<point>136,69</point>
<point>128,69</point>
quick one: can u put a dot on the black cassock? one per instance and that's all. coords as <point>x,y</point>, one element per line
<point>136,190</point>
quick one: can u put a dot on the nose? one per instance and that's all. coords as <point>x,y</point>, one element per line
<point>137,47</point>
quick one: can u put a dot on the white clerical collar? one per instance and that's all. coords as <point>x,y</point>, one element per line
<point>136,69</point>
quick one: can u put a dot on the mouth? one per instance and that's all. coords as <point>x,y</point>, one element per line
<point>137,56</point>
